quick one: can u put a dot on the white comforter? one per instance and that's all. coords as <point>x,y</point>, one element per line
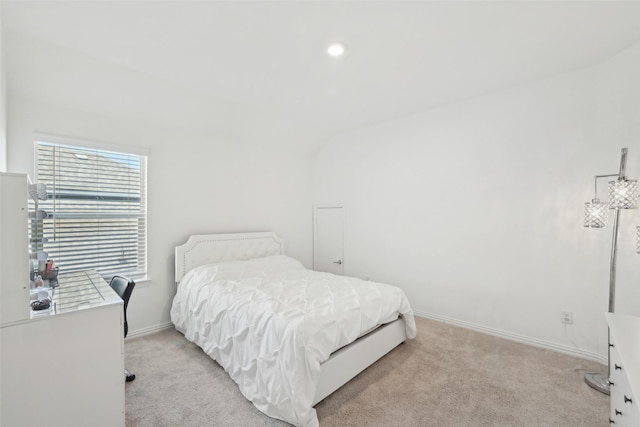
<point>270,323</point>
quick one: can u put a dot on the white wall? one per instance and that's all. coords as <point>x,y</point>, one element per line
<point>200,180</point>
<point>3,124</point>
<point>618,122</point>
<point>476,209</point>
<point>3,102</point>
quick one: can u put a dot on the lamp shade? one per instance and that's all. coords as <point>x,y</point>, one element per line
<point>623,194</point>
<point>595,214</point>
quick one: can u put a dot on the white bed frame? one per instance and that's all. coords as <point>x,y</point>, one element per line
<point>343,364</point>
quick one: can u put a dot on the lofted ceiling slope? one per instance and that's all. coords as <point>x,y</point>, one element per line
<point>402,57</point>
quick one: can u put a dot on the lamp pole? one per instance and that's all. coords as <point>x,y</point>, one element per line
<point>614,239</point>
<point>599,381</point>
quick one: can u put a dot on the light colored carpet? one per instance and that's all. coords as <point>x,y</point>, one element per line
<point>447,376</point>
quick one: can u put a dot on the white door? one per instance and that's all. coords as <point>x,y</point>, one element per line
<point>327,239</point>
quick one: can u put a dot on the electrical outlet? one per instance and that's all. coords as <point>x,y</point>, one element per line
<point>566,317</point>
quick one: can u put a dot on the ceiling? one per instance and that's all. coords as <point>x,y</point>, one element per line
<point>402,57</point>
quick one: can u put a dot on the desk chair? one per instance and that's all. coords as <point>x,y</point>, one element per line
<point>124,287</point>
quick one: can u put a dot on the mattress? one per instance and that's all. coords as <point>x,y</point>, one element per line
<point>270,323</point>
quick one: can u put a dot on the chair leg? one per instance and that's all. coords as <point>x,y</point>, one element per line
<point>129,376</point>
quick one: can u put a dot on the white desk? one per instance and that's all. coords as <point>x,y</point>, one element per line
<point>66,368</point>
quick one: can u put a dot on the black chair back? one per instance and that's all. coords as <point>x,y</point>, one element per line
<point>123,287</point>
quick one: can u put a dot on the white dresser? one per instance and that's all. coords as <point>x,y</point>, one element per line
<point>624,375</point>
<point>62,367</point>
<point>14,247</point>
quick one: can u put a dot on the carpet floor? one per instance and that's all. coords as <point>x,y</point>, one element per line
<point>447,376</point>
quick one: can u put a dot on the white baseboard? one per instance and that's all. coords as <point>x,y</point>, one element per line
<point>548,345</point>
<point>149,330</point>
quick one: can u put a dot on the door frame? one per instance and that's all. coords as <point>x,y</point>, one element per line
<point>326,206</point>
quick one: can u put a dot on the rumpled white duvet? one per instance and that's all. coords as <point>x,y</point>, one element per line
<point>270,323</point>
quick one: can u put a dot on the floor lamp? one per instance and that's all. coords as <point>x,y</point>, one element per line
<point>623,194</point>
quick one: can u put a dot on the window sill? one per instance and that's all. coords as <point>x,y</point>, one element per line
<point>143,282</point>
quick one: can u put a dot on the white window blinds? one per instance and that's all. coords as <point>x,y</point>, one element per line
<point>96,209</point>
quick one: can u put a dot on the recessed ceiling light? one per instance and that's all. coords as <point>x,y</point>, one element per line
<point>336,49</point>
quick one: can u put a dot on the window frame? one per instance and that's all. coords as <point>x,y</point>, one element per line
<point>86,144</point>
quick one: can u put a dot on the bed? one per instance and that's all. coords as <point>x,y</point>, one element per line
<point>286,335</point>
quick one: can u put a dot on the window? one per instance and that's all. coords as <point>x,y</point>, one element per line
<point>95,210</point>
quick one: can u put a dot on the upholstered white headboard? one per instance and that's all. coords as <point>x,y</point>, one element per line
<point>207,248</point>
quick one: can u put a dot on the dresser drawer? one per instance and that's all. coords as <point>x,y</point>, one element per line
<point>624,409</point>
